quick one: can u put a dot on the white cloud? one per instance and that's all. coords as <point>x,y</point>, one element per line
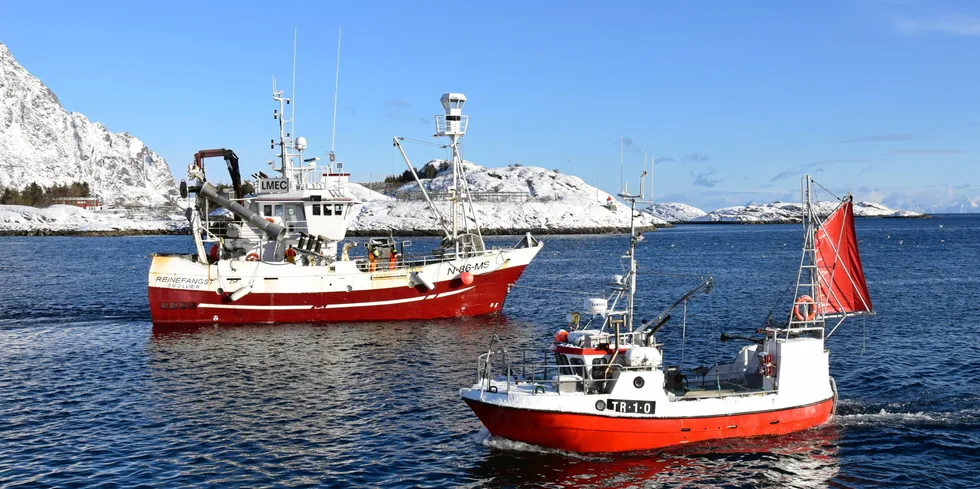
<point>956,25</point>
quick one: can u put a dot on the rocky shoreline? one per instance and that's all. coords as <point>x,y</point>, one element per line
<point>101,233</point>
<point>357,234</point>
<point>364,233</point>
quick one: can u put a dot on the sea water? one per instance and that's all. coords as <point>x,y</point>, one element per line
<point>91,394</point>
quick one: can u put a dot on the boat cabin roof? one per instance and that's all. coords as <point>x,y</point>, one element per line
<point>305,196</point>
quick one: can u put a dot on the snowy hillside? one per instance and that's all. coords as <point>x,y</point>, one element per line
<point>515,199</point>
<point>674,212</point>
<point>790,212</point>
<point>67,219</point>
<point>41,142</point>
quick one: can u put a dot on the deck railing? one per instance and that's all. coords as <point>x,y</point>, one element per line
<point>518,197</point>
<point>526,367</point>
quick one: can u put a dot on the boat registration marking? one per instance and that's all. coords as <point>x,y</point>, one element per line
<point>632,407</point>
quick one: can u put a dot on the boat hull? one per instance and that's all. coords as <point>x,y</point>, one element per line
<point>184,293</point>
<point>596,433</point>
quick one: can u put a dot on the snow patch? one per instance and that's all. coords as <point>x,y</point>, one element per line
<point>506,199</point>
<point>787,212</point>
<point>20,219</point>
<point>674,212</point>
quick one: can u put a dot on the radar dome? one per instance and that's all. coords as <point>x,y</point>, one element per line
<point>300,143</point>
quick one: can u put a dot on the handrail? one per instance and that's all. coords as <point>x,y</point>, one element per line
<point>539,371</point>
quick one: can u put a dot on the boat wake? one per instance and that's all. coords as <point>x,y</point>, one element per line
<point>944,413</point>
<point>483,437</point>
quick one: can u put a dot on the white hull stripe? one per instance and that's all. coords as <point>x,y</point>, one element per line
<point>331,306</point>
<point>460,291</point>
<point>253,308</point>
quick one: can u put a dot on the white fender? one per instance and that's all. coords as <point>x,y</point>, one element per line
<point>242,292</point>
<point>418,279</point>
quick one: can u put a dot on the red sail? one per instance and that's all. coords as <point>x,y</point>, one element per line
<point>842,285</point>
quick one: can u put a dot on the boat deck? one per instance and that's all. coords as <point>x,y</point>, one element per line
<point>711,389</point>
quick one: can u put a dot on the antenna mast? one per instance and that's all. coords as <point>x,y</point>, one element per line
<point>634,239</point>
<point>652,158</point>
<point>292,92</point>
<point>336,88</point>
<point>622,182</point>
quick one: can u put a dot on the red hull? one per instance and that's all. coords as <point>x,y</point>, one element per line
<point>592,433</point>
<point>449,299</point>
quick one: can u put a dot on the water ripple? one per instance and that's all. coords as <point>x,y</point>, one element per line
<point>91,395</point>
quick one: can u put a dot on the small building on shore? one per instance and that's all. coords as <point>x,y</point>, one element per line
<point>91,203</point>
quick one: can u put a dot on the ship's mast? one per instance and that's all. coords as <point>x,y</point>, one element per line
<point>287,143</point>
<point>277,95</point>
<point>453,124</point>
<point>807,276</point>
<point>634,239</point>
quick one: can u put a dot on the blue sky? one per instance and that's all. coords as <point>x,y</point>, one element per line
<point>736,100</point>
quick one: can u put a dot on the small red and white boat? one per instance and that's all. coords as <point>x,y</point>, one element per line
<point>604,387</point>
<point>273,255</point>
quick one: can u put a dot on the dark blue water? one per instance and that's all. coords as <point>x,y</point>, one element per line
<point>91,395</point>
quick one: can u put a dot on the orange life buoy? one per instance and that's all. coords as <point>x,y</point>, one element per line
<point>811,308</point>
<point>252,257</point>
<point>561,336</point>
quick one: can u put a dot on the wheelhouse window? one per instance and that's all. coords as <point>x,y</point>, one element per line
<point>294,213</point>
<point>327,208</point>
<point>267,210</point>
<point>316,209</point>
<point>278,210</point>
<point>338,209</point>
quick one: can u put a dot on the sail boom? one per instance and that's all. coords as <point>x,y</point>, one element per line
<point>850,315</point>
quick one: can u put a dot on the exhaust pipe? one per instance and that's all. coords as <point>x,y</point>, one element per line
<point>274,231</point>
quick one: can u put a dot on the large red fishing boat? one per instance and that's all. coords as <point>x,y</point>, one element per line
<point>605,387</point>
<point>272,256</point>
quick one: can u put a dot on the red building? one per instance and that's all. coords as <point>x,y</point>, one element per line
<point>83,202</point>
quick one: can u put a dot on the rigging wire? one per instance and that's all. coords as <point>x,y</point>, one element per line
<point>779,300</point>
<point>683,333</point>
<point>422,142</point>
<point>864,340</point>
<point>825,189</point>
<point>563,291</point>
<point>650,271</point>
<point>714,328</point>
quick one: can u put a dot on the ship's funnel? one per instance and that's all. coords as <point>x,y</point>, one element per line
<point>273,230</point>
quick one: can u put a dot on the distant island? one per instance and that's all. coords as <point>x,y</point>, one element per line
<point>508,200</point>
<point>775,213</point>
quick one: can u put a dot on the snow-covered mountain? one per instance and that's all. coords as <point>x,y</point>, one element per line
<point>967,205</point>
<point>790,212</point>
<point>42,142</point>
<point>674,212</point>
<point>525,198</point>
